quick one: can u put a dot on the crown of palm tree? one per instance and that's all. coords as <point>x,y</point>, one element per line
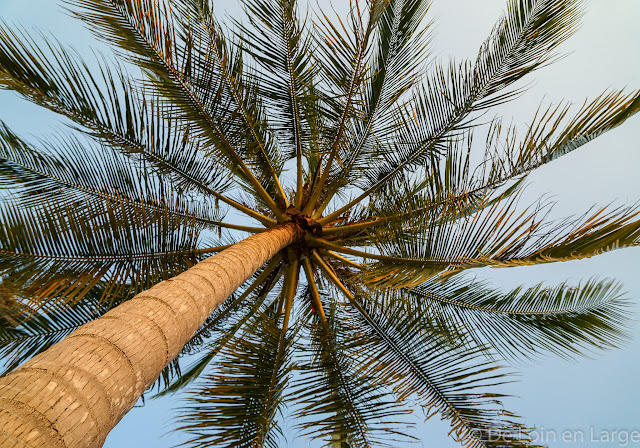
<point>191,138</point>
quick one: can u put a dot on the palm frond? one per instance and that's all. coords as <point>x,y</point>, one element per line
<point>498,236</point>
<point>237,405</point>
<point>198,24</point>
<point>146,34</point>
<point>340,402</point>
<point>108,108</point>
<point>458,385</point>
<point>274,38</point>
<point>522,41</point>
<point>70,170</point>
<point>553,133</point>
<point>452,181</point>
<point>62,251</point>
<point>402,40</point>
<point>526,323</point>
<point>26,330</point>
<point>413,358</point>
<point>411,253</point>
<point>345,82</point>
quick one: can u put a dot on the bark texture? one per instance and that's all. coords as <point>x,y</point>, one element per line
<point>73,394</point>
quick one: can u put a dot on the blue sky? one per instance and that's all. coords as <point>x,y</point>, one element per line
<point>600,393</point>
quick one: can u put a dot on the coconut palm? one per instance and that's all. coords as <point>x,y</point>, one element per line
<point>346,153</point>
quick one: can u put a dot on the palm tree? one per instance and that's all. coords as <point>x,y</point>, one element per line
<point>353,299</point>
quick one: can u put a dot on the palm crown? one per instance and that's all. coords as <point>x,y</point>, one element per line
<point>191,138</point>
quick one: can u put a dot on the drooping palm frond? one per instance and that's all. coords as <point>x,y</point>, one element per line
<point>496,238</point>
<point>337,401</point>
<point>457,385</point>
<point>527,323</point>
<point>522,324</point>
<point>449,187</point>
<point>411,355</point>
<point>62,252</point>
<point>237,406</point>
<point>27,330</point>
<point>553,134</point>
<point>70,170</point>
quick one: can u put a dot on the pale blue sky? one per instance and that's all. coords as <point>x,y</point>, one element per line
<point>603,392</point>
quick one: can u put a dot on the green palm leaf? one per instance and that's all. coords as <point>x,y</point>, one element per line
<point>441,105</point>
<point>58,251</point>
<point>237,406</point>
<point>498,236</point>
<point>394,69</point>
<point>147,36</point>
<point>212,46</point>
<point>527,323</point>
<point>342,403</point>
<point>453,383</point>
<point>108,108</point>
<point>71,170</point>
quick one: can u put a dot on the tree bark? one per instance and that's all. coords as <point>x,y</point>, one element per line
<point>74,393</point>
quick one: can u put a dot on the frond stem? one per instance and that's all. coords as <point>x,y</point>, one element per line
<point>355,227</point>
<point>315,295</point>
<point>485,309</point>
<point>115,258</point>
<point>324,244</point>
<point>289,288</point>
<point>326,269</point>
<point>329,337</point>
<point>344,260</point>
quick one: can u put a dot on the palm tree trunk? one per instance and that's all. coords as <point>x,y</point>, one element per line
<point>73,394</point>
